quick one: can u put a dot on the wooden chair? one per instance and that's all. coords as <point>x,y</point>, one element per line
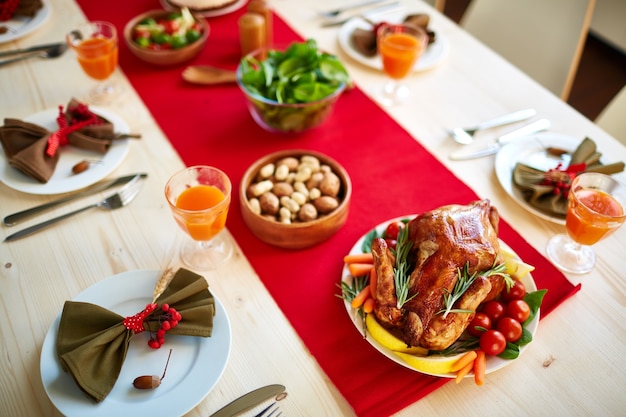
<point>439,5</point>
<point>544,38</point>
<point>613,117</point>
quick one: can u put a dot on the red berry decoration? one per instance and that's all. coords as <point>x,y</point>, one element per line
<point>168,319</point>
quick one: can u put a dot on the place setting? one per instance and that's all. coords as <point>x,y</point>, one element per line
<point>22,18</point>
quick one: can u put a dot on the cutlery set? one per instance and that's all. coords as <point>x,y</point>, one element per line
<point>252,399</point>
<point>465,136</point>
<point>47,51</point>
<point>123,197</point>
<point>337,17</point>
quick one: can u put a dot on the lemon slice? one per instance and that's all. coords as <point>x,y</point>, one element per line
<point>438,365</point>
<point>388,340</point>
<point>514,266</point>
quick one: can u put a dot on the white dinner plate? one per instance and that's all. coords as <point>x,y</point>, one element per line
<point>20,26</point>
<point>63,180</point>
<point>209,12</point>
<point>432,56</point>
<point>531,150</point>
<point>196,365</point>
<point>493,362</point>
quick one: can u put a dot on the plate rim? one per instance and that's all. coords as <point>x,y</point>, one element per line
<point>211,12</point>
<point>493,363</point>
<point>138,280</point>
<point>31,24</point>
<point>116,153</point>
<point>343,37</point>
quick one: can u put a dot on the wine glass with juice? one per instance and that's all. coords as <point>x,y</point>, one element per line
<point>96,48</point>
<point>399,46</point>
<point>595,209</point>
<point>199,198</point>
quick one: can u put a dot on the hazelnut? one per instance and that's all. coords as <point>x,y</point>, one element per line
<point>330,184</point>
<point>325,204</point>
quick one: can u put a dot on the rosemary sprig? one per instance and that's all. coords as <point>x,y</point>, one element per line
<point>402,271</point>
<point>349,291</point>
<point>463,283</point>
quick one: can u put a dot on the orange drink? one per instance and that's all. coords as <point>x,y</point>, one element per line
<point>98,57</point>
<point>592,215</point>
<point>399,52</point>
<point>201,223</point>
<point>399,47</point>
<point>595,209</point>
<point>199,197</point>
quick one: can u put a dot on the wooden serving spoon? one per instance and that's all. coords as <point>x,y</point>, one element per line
<point>206,75</point>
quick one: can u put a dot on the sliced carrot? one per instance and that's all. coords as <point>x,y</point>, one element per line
<point>464,371</point>
<point>361,297</point>
<point>480,365</point>
<point>368,305</point>
<point>462,362</point>
<point>358,269</point>
<point>373,281</point>
<point>359,258</point>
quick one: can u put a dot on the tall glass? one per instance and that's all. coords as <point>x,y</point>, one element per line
<point>595,209</point>
<point>199,198</point>
<point>96,48</point>
<point>399,46</point>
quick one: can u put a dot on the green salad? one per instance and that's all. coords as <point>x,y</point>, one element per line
<point>280,84</point>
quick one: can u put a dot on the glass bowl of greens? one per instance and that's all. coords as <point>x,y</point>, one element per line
<point>294,89</point>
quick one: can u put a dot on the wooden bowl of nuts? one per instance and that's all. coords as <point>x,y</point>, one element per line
<point>295,199</point>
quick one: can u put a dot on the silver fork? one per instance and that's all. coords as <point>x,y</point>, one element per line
<point>120,199</point>
<point>272,408</point>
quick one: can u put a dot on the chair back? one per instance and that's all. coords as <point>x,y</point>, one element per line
<point>543,38</point>
<point>613,117</point>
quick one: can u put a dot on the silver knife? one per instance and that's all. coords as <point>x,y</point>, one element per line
<point>13,219</point>
<point>534,127</point>
<point>31,49</point>
<point>249,400</point>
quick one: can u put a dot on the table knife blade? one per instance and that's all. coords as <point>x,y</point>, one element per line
<point>249,400</point>
<point>13,219</point>
<point>35,48</point>
<point>493,148</point>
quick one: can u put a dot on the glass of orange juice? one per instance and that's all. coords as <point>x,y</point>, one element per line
<point>199,198</point>
<point>96,48</point>
<point>399,46</point>
<point>596,207</point>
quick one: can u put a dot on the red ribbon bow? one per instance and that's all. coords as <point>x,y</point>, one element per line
<point>80,116</point>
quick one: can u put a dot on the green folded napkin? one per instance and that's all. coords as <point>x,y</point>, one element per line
<point>547,190</point>
<point>92,341</point>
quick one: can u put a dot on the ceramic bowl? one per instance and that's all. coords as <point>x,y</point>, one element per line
<point>296,234</point>
<point>164,57</point>
<point>285,117</point>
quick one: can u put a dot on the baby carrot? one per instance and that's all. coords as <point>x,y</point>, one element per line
<point>361,297</point>
<point>480,365</point>
<point>359,258</point>
<point>368,305</point>
<point>464,371</point>
<point>462,362</point>
<point>358,269</point>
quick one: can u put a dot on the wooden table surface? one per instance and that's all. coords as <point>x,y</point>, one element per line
<point>574,366</point>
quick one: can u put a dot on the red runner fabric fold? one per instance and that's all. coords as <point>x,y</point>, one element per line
<point>392,176</point>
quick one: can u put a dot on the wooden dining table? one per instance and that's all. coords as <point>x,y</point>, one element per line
<point>574,366</point>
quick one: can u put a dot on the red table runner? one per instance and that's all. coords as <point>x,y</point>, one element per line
<point>392,175</point>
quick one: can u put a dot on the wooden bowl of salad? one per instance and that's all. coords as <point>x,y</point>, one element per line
<point>301,95</point>
<point>294,199</point>
<point>165,38</point>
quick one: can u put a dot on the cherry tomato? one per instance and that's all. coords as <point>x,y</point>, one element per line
<point>392,230</point>
<point>510,328</point>
<point>494,309</point>
<point>492,342</point>
<point>480,320</point>
<point>516,292</point>
<point>391,243</point>
<point>518,309</point>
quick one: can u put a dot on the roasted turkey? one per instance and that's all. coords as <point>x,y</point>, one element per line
<point>444,241</point>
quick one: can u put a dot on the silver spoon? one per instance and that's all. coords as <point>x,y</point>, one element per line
<point>337,12</point>
<point>465,136</point>
<point>53,52</point>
